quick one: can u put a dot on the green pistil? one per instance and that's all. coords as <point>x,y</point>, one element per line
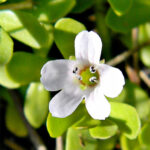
<point>86,75</point>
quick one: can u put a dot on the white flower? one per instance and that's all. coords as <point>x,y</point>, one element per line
<point>83,78</point>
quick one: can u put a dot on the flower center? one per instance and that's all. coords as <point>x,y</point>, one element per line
<point>87,77</point>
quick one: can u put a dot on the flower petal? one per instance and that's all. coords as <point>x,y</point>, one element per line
<point>65,102</point>
<point>97,105</point>
<point>57,74</point>
<point>88,47</point>
<point>111,80</point>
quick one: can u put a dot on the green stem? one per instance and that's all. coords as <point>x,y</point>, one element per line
<point>28,4</point>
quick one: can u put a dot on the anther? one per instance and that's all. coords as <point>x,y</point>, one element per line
<point>92,69</point>
<point>78,77</point>
<point>75,70</point>
<point>93,79</point>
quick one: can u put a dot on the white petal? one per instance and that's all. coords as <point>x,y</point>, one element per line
<point>65,102</point>
<point>97,105</point>
<point>88,47</point>
<point>111,80</point>
<point>57,74</point>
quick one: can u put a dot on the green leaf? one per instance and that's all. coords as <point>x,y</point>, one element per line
<point>24,27</point>
<point>107,144</point>
<point>105,130</point>
<point>80,140</point>
<point>129,20</point>
<point>82,5</point>
<point>127,144</point>
<point>145,55</point>
<point>44,51</point>
<point>50,10</point>
<point>145,135</point>
<point>6,47</point>
<point>6,80</point>
<point>144,36</point>
<point>14,122</point>
<point>144,33</point>
<point>36,104</point>
<point>57,126</point>
<point>120,7</point>
<point>86,122</point>
<point>64,34</point>
<point>127,119</point>
<point>25,67</point>
<point>2,1</point>
<point>136,96</point>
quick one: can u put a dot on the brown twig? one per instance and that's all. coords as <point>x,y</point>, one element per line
<point>12,145</point>
<point>28,4</point>
<point>144,77</point>
<point>33,135</point>
<point>123,56</point>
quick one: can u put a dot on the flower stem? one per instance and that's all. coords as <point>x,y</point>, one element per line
<point>59,143</point>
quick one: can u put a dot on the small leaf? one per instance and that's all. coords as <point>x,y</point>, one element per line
<point>107,144</point>
<point>57,126</point>
<point>2,1</point>
<point>24,27</point>
<point>129,20</point>
<point>25,67</point>
<point>80,140</point>
<point>145,55</point>
<point>135,96</point>
<point>120,7</point>
<point>49,10</point>
<point>82,5</point>
<point>145,135</point>
<point>6,80</point>
<point>64,34</point>
<point>127,119</point>
<point>86,122</point>
<point>36,104</point>
<point>43,52</point>
<point>14,122</point>
<point>127,144</point>
<point>6,47</point>
<point>144,33</point>
<point>105,130</point>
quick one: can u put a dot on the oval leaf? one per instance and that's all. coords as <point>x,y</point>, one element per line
<point>36,104</point>
<point>120,7</point>
<point>105,130</point>
<point>80,140</point>
<point>14,122</point>
<point>57,126</point>
<point>127,144</point>
<point>24,27</point>
<point>127,119</point>
<point>49,10</point>
<point>82,5</point>
<point>127,21</point>
<point>6,80</point>
<point>6,47</point>
<point>25,67</point>
<point>145,134</point>
<point>64,34</point>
